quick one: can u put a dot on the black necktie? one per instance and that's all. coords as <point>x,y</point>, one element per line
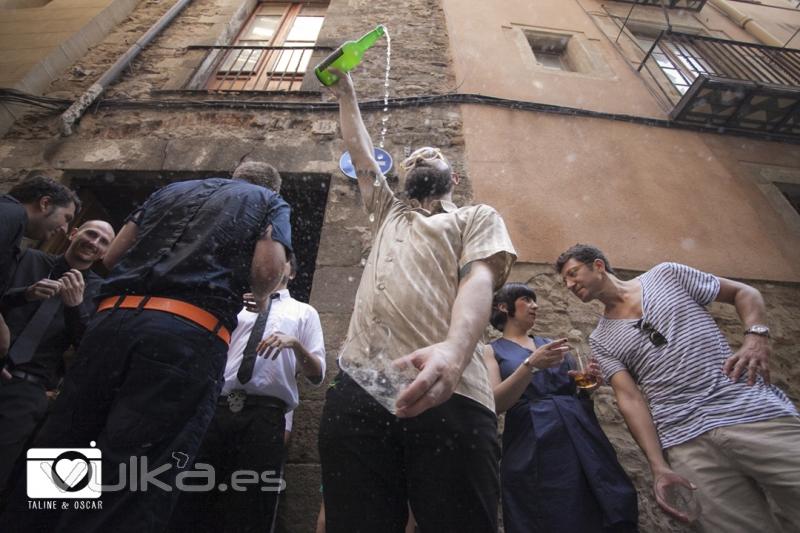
<point>249,356</point>
<point>25,345</point>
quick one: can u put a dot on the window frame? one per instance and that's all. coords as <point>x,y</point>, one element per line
<point>227,78</point>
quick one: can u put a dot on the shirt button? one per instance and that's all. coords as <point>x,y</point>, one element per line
<point>381,286</point>
<point>389,259</point>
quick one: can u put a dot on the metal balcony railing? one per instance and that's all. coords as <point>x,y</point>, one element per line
<point>252,68</point>
<point>691,5</point>
<point>730,84</point>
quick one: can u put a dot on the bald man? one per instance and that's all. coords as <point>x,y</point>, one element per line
<point>47,310</point>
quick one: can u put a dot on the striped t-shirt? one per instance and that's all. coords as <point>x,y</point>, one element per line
<point>683,380</point>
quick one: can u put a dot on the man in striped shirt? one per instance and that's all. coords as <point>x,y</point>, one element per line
<point>712,412</point>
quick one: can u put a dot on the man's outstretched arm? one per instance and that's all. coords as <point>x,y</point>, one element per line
<point>355,135</point>
<point>637,416</point>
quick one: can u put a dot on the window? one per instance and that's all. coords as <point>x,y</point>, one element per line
<point>272,50</point>
<point>550,50</point>
<point>790,191</point>
<point>681,64</point>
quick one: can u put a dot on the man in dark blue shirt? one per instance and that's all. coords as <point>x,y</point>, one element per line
<point>148,372</point>
<point>47,311</point>
<point>36,208</point>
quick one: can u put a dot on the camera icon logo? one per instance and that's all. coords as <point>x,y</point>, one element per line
<point>64,472</point>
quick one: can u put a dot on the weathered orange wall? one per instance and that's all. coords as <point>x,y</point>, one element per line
<point>644,194</point>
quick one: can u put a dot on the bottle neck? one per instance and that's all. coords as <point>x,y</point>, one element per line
<point>369,39</point>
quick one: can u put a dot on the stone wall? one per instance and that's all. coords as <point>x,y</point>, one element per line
<point>560,312</point>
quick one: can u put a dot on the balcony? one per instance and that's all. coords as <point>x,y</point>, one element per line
<point>251,68</point>
<point>731,85</point>
<point>691,5</point>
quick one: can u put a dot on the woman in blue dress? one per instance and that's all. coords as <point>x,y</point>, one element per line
<point>559,472</point>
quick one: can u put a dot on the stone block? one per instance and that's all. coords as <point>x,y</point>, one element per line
<point>334,328</point>
<point>324,127</point>
<point>21,154</point>
<point>120,154</point>
<point>334,289</point>
<point>305,428</point>
<point>299,504</point>
<point>342,245</point>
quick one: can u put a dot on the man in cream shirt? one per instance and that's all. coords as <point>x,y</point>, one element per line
<point>429,278</point>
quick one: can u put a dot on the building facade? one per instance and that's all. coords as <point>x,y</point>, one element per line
<point>655,130</point>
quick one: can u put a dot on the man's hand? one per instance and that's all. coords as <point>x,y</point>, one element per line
<point>272,345</point>
<point>661,484</point>
<point>42,290</point>
<point>343,87</point>
<point>440,372</point>
<point>753,357</point>
<point>594,370</point>
<point>72,288</point>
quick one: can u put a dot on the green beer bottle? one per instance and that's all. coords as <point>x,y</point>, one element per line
<point>347,57</point>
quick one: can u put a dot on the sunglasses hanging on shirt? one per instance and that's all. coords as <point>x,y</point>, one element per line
<point>656,338</point>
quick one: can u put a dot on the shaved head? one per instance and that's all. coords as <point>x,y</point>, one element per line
<point>88,243</point>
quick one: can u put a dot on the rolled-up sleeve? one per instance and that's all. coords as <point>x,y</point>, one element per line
<point>311,338</point>
<point>486,238</point>
<point>279,217</point>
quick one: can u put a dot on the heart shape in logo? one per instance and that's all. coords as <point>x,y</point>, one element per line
<point>71,471</point>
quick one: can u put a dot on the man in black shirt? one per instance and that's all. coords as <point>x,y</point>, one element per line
<point>36,208</point>
<point>47,310</point>
<point>148,372</point>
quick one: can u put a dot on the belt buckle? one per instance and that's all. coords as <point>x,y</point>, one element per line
<point>236,400</point>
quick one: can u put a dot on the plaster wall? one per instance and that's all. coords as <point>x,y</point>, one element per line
<point>643,194</point>
<point>492,55</point>
<point>38,43</point>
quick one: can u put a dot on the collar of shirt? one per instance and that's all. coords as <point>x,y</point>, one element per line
<point>437,206</point>
<point>283,294</point>
<point>11,199</point>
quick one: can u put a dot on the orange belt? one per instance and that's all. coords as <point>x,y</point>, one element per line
<point>185,310</point>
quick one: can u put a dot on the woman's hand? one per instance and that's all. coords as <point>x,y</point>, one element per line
<point>549,355</point>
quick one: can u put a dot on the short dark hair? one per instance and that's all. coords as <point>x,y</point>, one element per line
<point>585,253</point>
<point>293,263</point>
<point>38,186</point>
<point>507,294</point>
<point>259,173</point>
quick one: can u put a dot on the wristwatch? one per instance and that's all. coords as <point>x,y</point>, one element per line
<point>529,365</point>
<point>757,329</point>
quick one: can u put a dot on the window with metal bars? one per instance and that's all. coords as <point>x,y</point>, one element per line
<point>273,49</point>
<point>681,64</point>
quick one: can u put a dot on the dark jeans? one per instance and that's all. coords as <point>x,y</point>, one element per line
<point>444,463</point>
<point>22,406</point>
<point>251,439</point>
<point>143,387</point>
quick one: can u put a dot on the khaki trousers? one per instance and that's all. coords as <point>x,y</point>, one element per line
<point>737,468</point>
